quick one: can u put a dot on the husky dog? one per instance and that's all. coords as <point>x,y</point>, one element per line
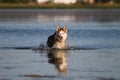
<point>58,39</point>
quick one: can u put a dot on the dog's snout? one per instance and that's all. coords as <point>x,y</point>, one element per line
<point>61,37</point>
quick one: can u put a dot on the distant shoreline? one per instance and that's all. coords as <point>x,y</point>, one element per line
<point>59,6</point>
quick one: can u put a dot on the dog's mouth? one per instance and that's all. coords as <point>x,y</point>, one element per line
<point>61,38</point>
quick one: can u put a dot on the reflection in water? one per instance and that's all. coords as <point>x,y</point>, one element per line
<point>80,16</point>
<point>55,17</point>
<point>60,15</point>
<point>58,58</point>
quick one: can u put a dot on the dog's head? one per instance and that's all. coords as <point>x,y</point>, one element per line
<point>61,33</point>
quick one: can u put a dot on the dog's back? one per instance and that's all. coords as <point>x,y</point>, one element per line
<point>51,40</point>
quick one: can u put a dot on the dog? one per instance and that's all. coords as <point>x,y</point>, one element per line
<point>58,39</point>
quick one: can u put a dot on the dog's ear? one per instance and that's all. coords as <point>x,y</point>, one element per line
<point>65,28</point>
<point>58,28</point>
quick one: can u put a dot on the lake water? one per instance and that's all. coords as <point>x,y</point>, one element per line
<point>95,32</point>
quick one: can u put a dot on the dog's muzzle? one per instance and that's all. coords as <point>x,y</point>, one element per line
<point>60,38</point>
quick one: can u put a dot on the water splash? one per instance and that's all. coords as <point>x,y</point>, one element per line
<point>43,46</point>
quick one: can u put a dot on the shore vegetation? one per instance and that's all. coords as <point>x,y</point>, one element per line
<point>58,6</point>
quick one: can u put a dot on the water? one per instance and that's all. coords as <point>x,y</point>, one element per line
<point>94,32</point>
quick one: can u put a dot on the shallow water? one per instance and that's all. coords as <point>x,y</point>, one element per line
<point>94,32</point>
<point>81,64</point>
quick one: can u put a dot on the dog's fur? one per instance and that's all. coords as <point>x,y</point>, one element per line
<point>58,39</point>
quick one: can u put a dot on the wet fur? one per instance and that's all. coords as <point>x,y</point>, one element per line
<point>58,39</point>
